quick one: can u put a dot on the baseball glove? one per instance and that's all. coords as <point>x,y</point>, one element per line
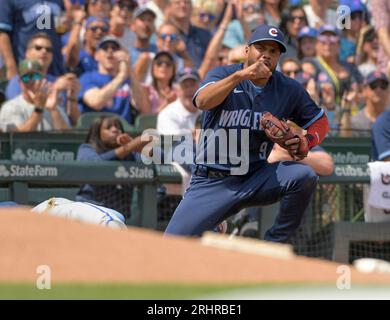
<point>279,131</point>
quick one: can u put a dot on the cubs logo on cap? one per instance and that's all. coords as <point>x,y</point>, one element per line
<point>268,33</point>
<point>273,32</point>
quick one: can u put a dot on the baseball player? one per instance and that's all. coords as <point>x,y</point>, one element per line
<point>81,211</point>
<point>253,98</point>
<point>381,137</point>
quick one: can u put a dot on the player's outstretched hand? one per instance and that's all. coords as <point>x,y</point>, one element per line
<point>258,70</point>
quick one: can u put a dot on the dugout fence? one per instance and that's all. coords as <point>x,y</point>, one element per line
<point>36,166</point>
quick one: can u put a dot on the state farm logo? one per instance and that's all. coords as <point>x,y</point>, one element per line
<point>31,154</point>
<point>273,32</point>
<point>134,172</point>
<point>121,172</point>
<point>385,179</point>
<point>4,171</point>
<point>18,155</point>
<point>28,171</point>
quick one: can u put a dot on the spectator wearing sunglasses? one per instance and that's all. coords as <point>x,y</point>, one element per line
<point>162,90</point>
<point>376,96</point>
<point>96,29</point>
<point>36,108</point>
<point>120,20</point>
<point>39,48</point>
<point>318,13</point>
<point>367,56</point>
<point>341,73</point>
<point>113,87</point>
<point>21,19</point>
<point>144,28</point>
<point>205,14</point>
<point>293,20</point>
<point>350,36</point>
<point>290,67</point>
<point>167,40</point>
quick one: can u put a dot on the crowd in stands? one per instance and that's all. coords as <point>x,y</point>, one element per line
<point>123,56</point>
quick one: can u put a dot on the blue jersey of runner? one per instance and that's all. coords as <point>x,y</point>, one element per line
<point>240,113</point>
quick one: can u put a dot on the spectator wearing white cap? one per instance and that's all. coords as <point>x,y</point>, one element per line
<point>158,7</point>
<point>181,114</point>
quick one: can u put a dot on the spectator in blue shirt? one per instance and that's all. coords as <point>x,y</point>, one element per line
<point>19,20</point>
<point>144,28</point>
<point>196,39</point>
<point>96,29</point>
<point>113,87</point>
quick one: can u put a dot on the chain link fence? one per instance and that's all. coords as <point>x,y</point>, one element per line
<point>315,238</point>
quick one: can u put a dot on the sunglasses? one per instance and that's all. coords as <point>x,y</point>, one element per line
<point>96,28</point>
<point>379,84</point>
<point>161,62</point>
<point>206,16</point>
<point>129,7</point>
<point>93,2</point>
<point>39,48</point>
<point>33,76</point>
<point>328,39</point>
<point>293,18</point>
<point>290,72</point>
<point>112,46</point>
<point>172,36</point>
<point>356,15</point>
<point>254,7</point>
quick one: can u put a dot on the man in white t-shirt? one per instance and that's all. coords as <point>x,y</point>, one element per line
<point>318,13</point>
<point>181,115</point>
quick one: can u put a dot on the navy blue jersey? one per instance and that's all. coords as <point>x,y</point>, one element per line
<point>22,18</point>
<point>242,109</point>
<point>381,137</point>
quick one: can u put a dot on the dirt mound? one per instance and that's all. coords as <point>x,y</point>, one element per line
<point>78,252</point>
